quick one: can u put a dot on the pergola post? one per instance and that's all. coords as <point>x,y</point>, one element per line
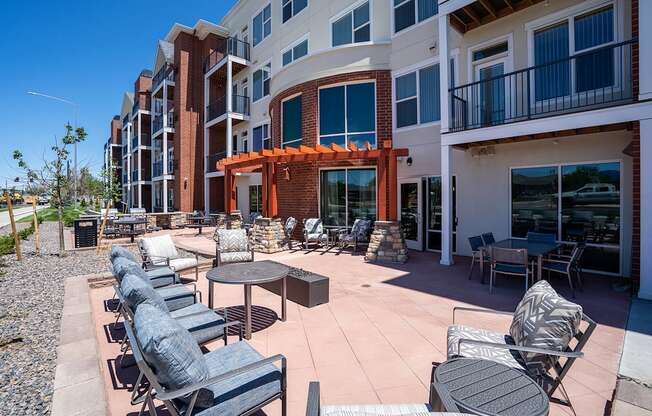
<point>381,197</point>
<point>265,185</point>
<point>272,210</point>
<point>392,178</point>
<point>229,191</point>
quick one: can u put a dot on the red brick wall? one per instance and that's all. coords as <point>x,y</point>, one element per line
<point>636,162</point>
<point>299,196</point>
<point>116,128</point>
<point>142,91</point>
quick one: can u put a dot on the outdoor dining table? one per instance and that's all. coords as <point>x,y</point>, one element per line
<point>132,222</point>
<point>536,249</point>
<point>199,222</point>
<point>248,274</point>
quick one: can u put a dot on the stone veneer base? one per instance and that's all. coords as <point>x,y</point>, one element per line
<point>268,236</point>
<point>387,243</point>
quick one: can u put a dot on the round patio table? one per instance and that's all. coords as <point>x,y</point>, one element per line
<point>483,387</point>
<point>248,274</point>
<point>199,223</point>
<point>132,222</point>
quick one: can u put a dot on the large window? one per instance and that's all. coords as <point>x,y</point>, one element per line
<point>555,43</point>
<point>409,12</point>
<point>347,114</point>
<point>261,138</point>
<point>346,195</point>
<point>576,203</point>
<point>353,27</point>
<point>256,198</point>
<point>417,97</point>
<point>261,82</point>
<point>292,131</point>
<point>292,7</point>
<point>297,51</point>
<point>262,24</point>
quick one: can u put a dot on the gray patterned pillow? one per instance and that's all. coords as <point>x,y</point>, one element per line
<point>231,240</point>
<point>543,319</point>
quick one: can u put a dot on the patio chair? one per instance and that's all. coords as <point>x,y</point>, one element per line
<point>313,232</point>
<point>159,277</point>
<point>315,408</point>
<point>138,212</point>
<point>252,219</point>
<point>533,237</point>
<point>232,246</point>
<point>568,266</point>
<point>160,251</point>
<point>288,227</point>
<point>232,380</point>
<point>513,262</point>
<point>542,328</point>
<point>488,238</point>
<point>478,253</point>
<point>359,234</point>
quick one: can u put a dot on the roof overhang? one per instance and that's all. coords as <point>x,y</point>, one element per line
<point>201,29</point>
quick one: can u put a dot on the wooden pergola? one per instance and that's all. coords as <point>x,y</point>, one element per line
<point>267,161</point>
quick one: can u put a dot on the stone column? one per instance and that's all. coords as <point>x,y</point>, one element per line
<point>387,243</point>
<point>268,235</point>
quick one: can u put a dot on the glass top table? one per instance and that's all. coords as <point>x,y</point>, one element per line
<point>537,249</point>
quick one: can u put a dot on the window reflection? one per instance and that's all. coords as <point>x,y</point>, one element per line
<point>346,195</point>
<point>534,200</point>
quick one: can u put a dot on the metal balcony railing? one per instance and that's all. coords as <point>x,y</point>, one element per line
<point>598,78</point>
<point>165,73</point>
<point>228,46</point>
<point>211,161</point>
<point>157,168</point>
<point>218,107</point>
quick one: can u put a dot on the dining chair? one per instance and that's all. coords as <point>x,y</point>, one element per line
<point>568,266</point>
<point>488,238</point>
<point>508,261</point>
<point>533,237</point>
<point>477,248</point>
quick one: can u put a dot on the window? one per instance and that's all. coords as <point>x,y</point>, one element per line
<point>245,141</point>
<point>417,97</point>
<point>346,195</point>
<point>409,12</point>
<point>256,198</point>
<point>292,8</point>
<point>353,27</point>
<point>234,144</point>
<point>261,82</point>
<point>292,131</point>
<point>554,44</point>
<point>295,52</point>
<point>347,114</point>
<point>261,138</point>
<point>262,24</point>
<point>579,202</point>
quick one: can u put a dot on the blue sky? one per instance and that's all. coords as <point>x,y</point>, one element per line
<point>87,51</point>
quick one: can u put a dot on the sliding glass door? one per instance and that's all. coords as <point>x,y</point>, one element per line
<point>346,195</point>
<point>433,224</point>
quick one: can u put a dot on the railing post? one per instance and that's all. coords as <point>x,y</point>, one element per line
<point>527,104</point>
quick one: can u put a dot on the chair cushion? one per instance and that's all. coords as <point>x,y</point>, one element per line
<point>510,268</point>
<point>136,291</point>
<point>376,410</point>
<point>159,248</point>
<point>171,351</point>
<point>313,226</point>
<point>555,266</point>
<point>162,276</point>
<point>238,394</point>
<point>290,225</point>
<point>159,277</point>
<point>502,356</point>
<point>183,263</point>
<point>231,240</point>
<point>236,257</point>
<point>543,319</point>
<point>204,324</point>
<point>118,251</point>
<point>316,237</point>
<point>176,297</point>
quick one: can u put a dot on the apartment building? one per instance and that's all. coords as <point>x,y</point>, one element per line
<point>112,162</point>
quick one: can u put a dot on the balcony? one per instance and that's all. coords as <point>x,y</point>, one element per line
<point>217,108</point>
<point>158,121</point>
<point>145,140</point>
<point>165,73</point>
<point>136,107</point>
<point>157,168</point>
<point>229,46</point>
<point>587,81</point>
<point>211,161</point>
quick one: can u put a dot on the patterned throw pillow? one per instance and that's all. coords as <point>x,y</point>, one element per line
<point>231,240</point>
<point>543,319</point>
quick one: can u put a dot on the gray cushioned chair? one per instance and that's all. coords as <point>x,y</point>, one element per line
<point>542,328</point>
<point>288,227</point>
<point>313,232</point>
<point>359,234</point>
<point>232,246</point>
<point>232,380</point>
<point>159,277</point>
<point>160,251</point>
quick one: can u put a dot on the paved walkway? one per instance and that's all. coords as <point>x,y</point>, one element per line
<point>18,214</point>
<point>384,326</point>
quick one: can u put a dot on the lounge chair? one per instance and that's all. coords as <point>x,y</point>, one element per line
<point>160,251</point>
<point>159,277</point>
<point>542,328</point>
<point>314,407</point>
<point>231,380</point>
<point>313,232</point>
<point>359,234</point>
<point>232,246</point>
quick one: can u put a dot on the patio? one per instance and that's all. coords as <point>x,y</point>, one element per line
<point>384,326</point>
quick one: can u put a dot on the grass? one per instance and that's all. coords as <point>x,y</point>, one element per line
<point>70,214</point>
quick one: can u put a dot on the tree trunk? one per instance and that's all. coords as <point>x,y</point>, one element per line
<point>62,243</point>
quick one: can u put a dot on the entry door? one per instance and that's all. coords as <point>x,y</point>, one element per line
<point>410,202</point>
<point>491,94</point>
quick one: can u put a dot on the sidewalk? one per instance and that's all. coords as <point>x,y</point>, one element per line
<point>634,389</point>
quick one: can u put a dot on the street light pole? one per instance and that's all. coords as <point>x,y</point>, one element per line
<point>75,109</point>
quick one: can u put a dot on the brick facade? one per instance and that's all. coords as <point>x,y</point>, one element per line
<point>298,197</point>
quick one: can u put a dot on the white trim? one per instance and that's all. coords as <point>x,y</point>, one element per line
<point>508,56</point>
<point>349,10</point>
<point>416,24</point>
<point>417,244</point>
<point>552,18</point>
<point>261,67</point>
<point>271,24</point>
<point>346,193</point>
<point>293,14</point>
<point>602,116</point>
<point>413,69</point>
<point>290,47</point>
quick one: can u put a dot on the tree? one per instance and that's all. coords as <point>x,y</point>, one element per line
<point>110,186</point>
<point>52,176</point>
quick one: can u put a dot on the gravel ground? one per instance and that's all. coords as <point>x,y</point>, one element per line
<point>31,300</point>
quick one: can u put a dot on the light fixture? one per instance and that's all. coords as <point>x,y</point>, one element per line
<point>409,161</point>
<point>286,173</point>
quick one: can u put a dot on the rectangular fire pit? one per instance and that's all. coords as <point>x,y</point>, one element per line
<point>303,287</point>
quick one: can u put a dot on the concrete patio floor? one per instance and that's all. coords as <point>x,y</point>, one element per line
<point>384,326</point>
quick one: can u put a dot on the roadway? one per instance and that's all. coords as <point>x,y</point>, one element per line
<point>18,213</point>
